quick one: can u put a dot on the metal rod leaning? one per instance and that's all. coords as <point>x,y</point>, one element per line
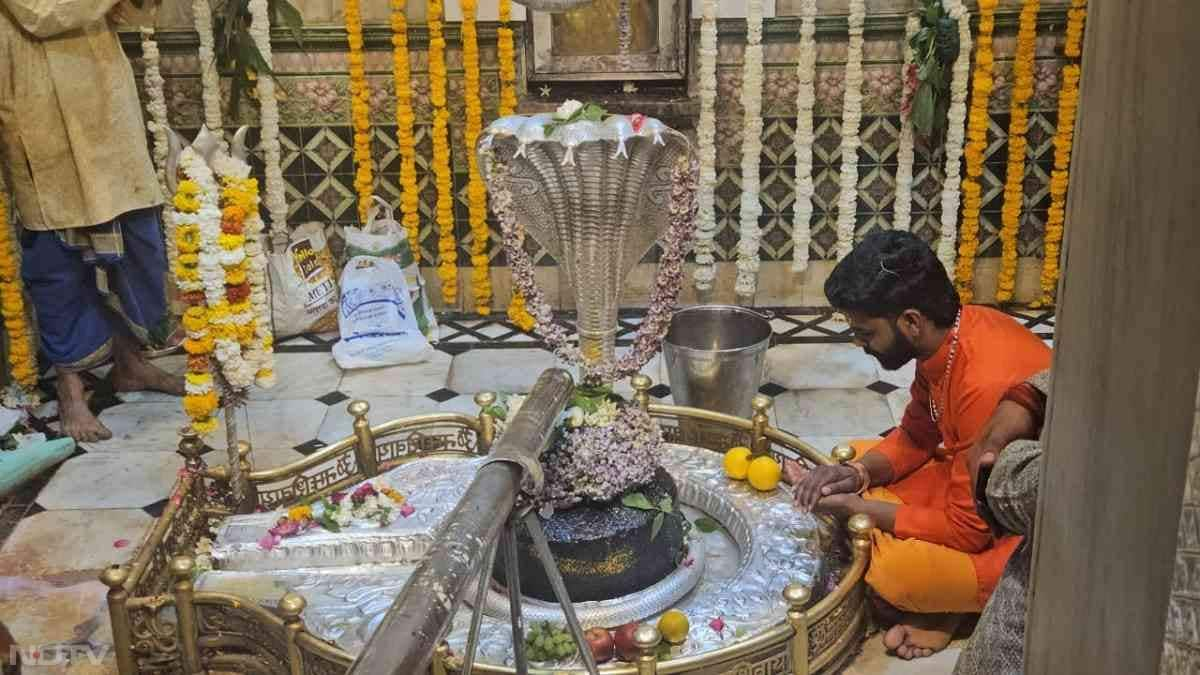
<point>421,614</point>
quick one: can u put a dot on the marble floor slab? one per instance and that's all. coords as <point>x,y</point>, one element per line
<point>111,480</point>
<point>406,380</point>
<point>821,366</point>
<point>54,542</point>
<point>285,423</point>
<point>298,376</point>
<point>833,412</point>
<point>339,423</point>
<point>151,427</point>
<point>508,370</point>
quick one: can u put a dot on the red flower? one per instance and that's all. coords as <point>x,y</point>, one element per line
<point>407,510</point>
<point>360,495</point>
<point>717,624</point>
<point>637,120</point>
<point>237,293</point>
<point>337,497</point>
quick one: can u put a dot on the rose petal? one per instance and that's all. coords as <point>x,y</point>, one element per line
<point>407,510</point>
<point>267,542</point>
<point>120,543</point>
<point>717,624</point>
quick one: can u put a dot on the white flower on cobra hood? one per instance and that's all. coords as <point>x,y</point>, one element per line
<point>569,107</point>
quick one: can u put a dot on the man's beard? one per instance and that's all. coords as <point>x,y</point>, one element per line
<point>901,352</point>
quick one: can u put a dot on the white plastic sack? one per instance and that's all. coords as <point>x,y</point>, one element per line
<point>375,317</point>
<point>304,292</point>
<point>384,237</point>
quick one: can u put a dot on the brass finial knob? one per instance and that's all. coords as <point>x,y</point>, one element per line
<point>761,403</point>
<point>646,637</point>
<point>641,382</point>
<point>860,525</point>
<point>182,566</point>
<point>190,444</point>
<point>114,576</point>
<point>291,605</point>
<point>243,448</point>
<point>358,408</point>
<point>797,596</point>
<point>485,399</point>
<point>843,453</point>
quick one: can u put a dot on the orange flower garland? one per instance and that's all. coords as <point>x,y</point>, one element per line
<point>1014,194</point>
<point>481,281</point>
<point>21,362</point>
<point>447,247</point>
<point>517,313</point>
<point>977,128</point>
<point>360,95</point>
<point>1064,137</point>
<point>405,140</point>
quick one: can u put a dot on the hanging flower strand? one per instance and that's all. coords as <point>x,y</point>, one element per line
<point>706,217</point>
<point>751,208</point>
<point>360,108</point>
<point>1064,136</point>
<point>210,81</point>
<point>851,119</point>
<point>1018,126</point>
<point>977,128</point>
<point>156,105</point>
<point>956,119</point>
<point>406,142</point>
<point>905,155</point>
<point>276,193</point>
<point>447,247</point>
<point>481,281</point>
<point>517,313</point>
<point>21,363</point>
<point>806,70</point>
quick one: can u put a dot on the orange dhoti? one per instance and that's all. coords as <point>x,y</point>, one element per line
<point>914,575</point>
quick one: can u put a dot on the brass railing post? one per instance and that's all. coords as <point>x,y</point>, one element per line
<point>487,423</point>
<point>192,448</point>
<point>647,638</point>
<point>364,449</point>
<point>860,526</point>
<point>249,490</point>
<point>641,384</point>
<point>797,597</point>
<point>291,605</point>
<point>440,654</point>
<point>115,577</point>
<point>185,614</point>
<point>760,420</point>
<point>842,454</point>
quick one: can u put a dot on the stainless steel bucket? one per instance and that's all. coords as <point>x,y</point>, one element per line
<point>716,357</point>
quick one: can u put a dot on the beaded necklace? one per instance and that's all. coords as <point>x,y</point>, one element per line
<point>934,411</point>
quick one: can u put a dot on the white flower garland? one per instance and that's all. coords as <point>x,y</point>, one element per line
<point>156,106</point>
<point>905,155</point>
<point>706,134</point>
<point>851,121</point>
<point>275,195</point>
<point>751,209</point>
<point>210,80</point>
<point>956,137</point>
<point>806,71</point>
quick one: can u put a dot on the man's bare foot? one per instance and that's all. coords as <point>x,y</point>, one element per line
<point>133,372</point>
<point>919,636</point>
<point>76,418</point>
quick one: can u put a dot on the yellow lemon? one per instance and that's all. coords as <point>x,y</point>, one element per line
<point>737,461</point>
<point>674,626</point>
<point>764,474</point>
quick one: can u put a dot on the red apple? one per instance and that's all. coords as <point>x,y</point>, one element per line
<point>623,637</point>
<point>601,643</point>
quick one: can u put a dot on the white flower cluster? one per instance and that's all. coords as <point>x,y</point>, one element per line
<point>274,194</point>
<point>210,80</point>
<point>851,120</point>
<point>956,137</point>
<point>806,73</point>
<point>706,134</point>
<point>905,155</point>
<point>751,208</point>
<point>156,106</point>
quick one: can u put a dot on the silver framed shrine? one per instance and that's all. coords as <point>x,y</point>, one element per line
<point>610,40</point>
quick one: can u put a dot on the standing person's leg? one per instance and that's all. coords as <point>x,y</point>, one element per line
<point>72,327</point>
<point>137,286</point>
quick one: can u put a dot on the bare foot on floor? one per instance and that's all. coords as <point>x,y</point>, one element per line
<point>76,418</point>
<point>132,372</point>
<point>921,635</point>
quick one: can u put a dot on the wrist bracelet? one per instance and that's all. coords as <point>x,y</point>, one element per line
<point>864,477</point>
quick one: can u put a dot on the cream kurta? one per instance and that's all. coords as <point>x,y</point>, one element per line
<point>72,137</point>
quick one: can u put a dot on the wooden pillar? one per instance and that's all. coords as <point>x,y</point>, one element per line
<point>1128,348</point>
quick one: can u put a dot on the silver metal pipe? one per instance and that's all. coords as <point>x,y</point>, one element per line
<point>421,615</point>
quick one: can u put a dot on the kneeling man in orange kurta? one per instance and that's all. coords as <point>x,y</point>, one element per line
<point>933,559</point>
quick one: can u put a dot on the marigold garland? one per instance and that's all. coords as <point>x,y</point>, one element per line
<point>1064,137</point>
<point>481,282</point>
<point>977,128</point>
<point>21,363</point>
<point>447,247</point>
<point>507,56</point>
<point>406,141</point>
<point>1014,194</point>
<point>360,108</point>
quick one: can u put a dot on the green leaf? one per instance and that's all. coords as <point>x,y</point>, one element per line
<point>740,632</point>
<point>932,11</point>
<point>666,504</point>
<point>637,500</point>
<point>329,523</point>
<point>286,13</point>
<point>706,524</point>
<point>592,113</point>
<point>923,110</point>
<point>587,404</point>
<point>658,522</point>
<point>498,411</point>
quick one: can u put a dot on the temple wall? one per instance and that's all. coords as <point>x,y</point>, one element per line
<point>1181,649</point>
<point>318,139</point>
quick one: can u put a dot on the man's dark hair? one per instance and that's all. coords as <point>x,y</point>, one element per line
<point>890,272</point>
